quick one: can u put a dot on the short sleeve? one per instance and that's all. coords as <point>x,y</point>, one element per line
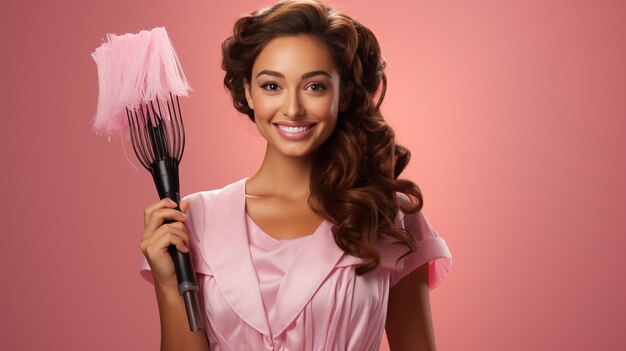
<point>194,226</point>
<point>431,249</point>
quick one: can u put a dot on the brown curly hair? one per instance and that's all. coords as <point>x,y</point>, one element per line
<point>355,175</point>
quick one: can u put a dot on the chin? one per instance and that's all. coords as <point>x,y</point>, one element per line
<point>295,150</point>
<point>296,153</point>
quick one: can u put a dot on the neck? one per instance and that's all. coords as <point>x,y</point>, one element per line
<point>282,175</point>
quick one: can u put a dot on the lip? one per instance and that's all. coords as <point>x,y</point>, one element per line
<point>297,136</point>
<point>295,124</point>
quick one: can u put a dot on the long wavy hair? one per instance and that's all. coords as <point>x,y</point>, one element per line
<point>355,175</point>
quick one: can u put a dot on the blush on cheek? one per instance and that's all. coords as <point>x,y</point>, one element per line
<point>265,109</point>
<point>323,110</point>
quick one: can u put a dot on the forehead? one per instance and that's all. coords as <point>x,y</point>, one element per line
<point>293,55</point>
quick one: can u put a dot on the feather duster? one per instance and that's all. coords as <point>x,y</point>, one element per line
<point>134,69</point>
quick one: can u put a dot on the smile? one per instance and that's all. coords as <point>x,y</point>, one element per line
<point>294,133</point>
<point>294,130</point>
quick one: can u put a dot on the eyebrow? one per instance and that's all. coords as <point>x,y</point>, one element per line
<point>304,76</point>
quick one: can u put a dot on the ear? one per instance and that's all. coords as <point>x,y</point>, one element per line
<point>246,86</point>
<point>346,94</point>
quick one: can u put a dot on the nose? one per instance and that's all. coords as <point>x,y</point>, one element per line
<point>292,106</point>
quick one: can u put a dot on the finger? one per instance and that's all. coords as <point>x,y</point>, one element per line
<point>161,246</point>
<point>152,232</point>
<point>163,203</point>
<point>158,217</point>
<point>184,205</point>
<point>176,228</point>
<point>173,239</point>
<point>157,243</point>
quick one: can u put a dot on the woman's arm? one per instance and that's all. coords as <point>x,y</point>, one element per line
<point>156,238</point>
<point>175,333</point>
<point>409,325</point>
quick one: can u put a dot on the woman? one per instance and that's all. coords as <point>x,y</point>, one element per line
<point>300,256</point>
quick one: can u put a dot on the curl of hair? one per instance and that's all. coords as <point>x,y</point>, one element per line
<point>355,177</point>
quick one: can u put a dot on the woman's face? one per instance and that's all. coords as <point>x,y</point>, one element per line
<point>295,94</point>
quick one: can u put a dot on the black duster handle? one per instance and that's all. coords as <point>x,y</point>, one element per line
<point>187,285</point>
<point>165,175</point>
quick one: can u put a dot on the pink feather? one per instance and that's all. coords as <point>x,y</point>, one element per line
<point>134,69</point>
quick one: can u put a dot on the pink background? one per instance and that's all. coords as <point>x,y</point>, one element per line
<point>514,112</point>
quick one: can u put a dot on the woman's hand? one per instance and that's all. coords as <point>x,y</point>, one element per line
<point>157,237</point>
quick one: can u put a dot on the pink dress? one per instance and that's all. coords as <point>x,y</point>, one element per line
<point>260,293</point>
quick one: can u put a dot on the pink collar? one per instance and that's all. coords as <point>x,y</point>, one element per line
<point>227,253</point>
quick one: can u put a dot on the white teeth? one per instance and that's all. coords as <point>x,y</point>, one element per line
<point>294,130</point>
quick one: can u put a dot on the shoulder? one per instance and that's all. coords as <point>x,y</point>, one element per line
<point>207,197</point>
<point>415,224</point>
<point>201,202</point>
<point>405,201</point>
<point>202,198</point>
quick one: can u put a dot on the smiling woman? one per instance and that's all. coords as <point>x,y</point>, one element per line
<point>325,246</point>
<point>300,104</point>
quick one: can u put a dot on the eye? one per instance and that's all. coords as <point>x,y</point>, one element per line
<point>317,87</point>
<point>272,86</point>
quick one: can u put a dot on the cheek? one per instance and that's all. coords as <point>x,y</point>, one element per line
<point>323,109</point>
<point>265,107</point>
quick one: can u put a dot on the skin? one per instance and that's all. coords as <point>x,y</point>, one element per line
<point>277,194</point>
<point>409,324</point>
<point>157,236</point>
